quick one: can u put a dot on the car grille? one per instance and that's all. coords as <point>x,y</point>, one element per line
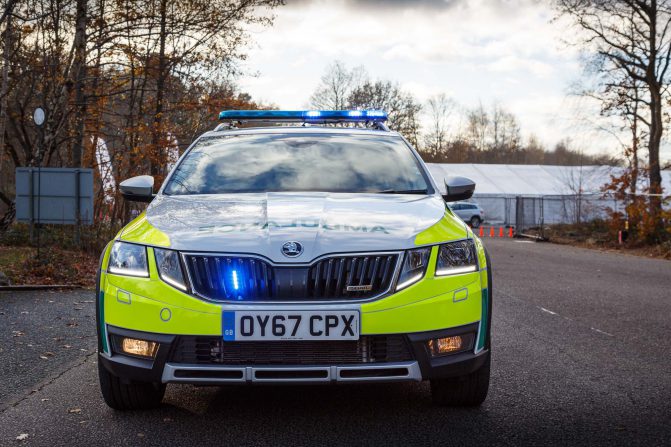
<point>368,349</point>
<point>232,278</point>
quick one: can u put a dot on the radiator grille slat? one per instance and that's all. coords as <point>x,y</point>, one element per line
<point>239,278</point>
<point>369,349</point>
<point>370,275</point>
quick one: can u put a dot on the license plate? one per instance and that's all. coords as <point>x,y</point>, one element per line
<point>291,325</point>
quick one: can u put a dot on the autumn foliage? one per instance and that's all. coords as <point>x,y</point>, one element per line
<point>126,84</point>
<point>639,224</point>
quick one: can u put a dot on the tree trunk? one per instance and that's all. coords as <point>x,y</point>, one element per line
<point>654,172</point>
<point>634,148</point>
<point>656,123</point>
<point>156,140</point>
<point>79,74</point>
<point>4,90</point>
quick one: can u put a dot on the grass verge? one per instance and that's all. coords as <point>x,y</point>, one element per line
<point>599,235</point>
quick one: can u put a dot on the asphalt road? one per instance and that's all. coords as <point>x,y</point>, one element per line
<point>581,357</point>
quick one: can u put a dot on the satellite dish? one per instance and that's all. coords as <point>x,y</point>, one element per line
<point>38,116</point>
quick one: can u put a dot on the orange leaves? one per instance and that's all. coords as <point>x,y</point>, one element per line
<point>644,226</point>
<point>56,266</point>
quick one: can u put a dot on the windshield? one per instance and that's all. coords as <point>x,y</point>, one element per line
<point>298,162</point>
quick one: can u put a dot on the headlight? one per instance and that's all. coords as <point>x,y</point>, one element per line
<point>128,259</point>
<point>169,267</point>
<point>457,257</point>
<point>414,266</point>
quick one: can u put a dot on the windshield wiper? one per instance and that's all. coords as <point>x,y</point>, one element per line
<point>403,191</point>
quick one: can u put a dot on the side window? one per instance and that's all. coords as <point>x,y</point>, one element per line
<point>456,206</point>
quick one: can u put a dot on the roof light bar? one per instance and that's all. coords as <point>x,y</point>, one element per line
<point>307,116</point>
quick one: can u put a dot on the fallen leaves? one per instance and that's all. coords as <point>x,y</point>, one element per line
<point>22,437</point>
<point>18,334</point>
<point>75,410</point>
<point>56,266</point>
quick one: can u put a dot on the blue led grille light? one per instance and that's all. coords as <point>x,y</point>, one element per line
<point>350,116</point>
<point>236,285</point>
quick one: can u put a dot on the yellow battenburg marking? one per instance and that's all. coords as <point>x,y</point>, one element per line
<point>140,231</point>
<point>145,314</point>
<point>427,305</point>
<point>446,229</point>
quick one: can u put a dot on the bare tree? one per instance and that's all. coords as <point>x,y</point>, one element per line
<point>477,129</point>
<point>574,178</point>
<point>336,86</point>
<point>441,107</point>
<point>401,106</point>
<point>631,40</point>
<point>504,129</point>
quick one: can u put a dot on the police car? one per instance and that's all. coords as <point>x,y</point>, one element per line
<point>295,247</point>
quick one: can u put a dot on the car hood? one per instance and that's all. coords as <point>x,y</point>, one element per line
<point>321,222</point>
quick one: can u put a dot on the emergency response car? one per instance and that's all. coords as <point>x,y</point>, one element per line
<point>295,247</point>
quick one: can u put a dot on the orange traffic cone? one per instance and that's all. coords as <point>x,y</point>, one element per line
<point>482,232</point>
<point>510,233</point>
<point>500,231</point>
<point>491,232</point>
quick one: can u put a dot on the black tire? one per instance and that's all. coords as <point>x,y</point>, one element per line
<point>132,396</point>
<point>464,391</point>
<point>475,221</point>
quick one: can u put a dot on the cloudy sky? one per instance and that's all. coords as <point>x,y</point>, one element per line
<point>505,51</point>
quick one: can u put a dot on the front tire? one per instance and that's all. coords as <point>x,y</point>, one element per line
<point>475,222</point>
<point>129,396</point>
<point>464,391</point>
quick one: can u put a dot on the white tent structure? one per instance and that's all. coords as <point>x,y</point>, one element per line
<point>528,195</point>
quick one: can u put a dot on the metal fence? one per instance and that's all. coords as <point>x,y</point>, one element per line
<point>525,211</point>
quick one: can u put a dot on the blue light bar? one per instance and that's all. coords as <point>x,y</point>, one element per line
<point>306,116</point>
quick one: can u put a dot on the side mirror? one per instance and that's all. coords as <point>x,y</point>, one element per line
<point>138,189</point>
<point>458,188</point>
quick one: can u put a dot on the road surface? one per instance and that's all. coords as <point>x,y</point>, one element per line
<point>581,356</point>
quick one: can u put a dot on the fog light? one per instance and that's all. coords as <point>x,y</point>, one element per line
<point>450,345</point>
<point>140,348</point>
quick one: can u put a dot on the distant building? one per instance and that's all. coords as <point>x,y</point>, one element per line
<point>528,195</point>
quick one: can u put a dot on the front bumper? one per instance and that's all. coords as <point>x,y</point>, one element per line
<point>421,366</point>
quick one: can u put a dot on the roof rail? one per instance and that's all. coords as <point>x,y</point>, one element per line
<point>374,118</point>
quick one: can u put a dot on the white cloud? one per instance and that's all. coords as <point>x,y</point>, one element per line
<point>477,50</point>
<point>511,64</point>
